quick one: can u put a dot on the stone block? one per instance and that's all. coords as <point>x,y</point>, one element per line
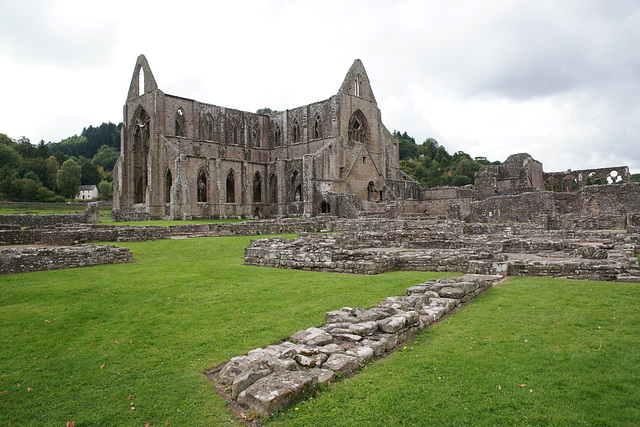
<point>245,379</point>
<point>392,324</point>
<point>341,364</point>
<point>280,389</point>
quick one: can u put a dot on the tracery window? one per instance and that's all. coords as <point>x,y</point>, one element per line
<point>179,123</point>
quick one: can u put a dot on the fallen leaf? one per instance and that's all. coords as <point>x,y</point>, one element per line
<point>92,344</point>
<point>116,342</point>
<point>522,385</point>
<point>531,390</point>
<point>102,366</point>
<point>71,423</point>
<point>3,392</point>
<point>499,387</point>
<point>147,424</point>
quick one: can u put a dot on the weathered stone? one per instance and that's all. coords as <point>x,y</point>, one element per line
<point>245,379</point>
<point>341,364</point>
<point>451,292</point>
<point>361,352</point>
<point>330,349</point>
<point>277,390</point>
<point>372,314</point>
<point>233,368</point>
<point>364,328</point>
<point>324,375</point>
<point>392,324</point>
<point>312,337</point>
<point>314,361</point>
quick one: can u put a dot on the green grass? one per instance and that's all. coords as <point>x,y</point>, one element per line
<point>84,344</point>
<point>16,209</point>
<point>573,346</point>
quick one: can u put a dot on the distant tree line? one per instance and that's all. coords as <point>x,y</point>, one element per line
<point>431,164</point>
<point>53,172</point>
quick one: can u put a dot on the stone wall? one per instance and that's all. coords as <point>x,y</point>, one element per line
<point>518,249</point>
<point>21,260</point>
<point>90,215</point>
<point>76,234</point>
<point>267,379</point>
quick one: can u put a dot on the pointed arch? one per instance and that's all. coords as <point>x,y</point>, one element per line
<point>296,187</point>
<point>168,182</point>
<point>277,136</point>
<point>273,188</point>
<point>231,187</point>
<point>257,188</point>
<point>317,127</point>
<point>179,122</point>
<point>141,141</point>
<point>149,82</point>
<point>358,129</point>
<point>207,128</point>
<point>202,186</point>
<point>295,131</point>
<point>232,137</point>
<point>325,207</point>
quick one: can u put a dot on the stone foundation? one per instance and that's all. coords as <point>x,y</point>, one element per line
<point>266,379</point>
<point>22,260</point>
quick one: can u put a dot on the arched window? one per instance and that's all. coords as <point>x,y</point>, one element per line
<point>233,132</point>
<point>358,127</point>
<point>257,188</point>
<point>231,187</point>
<point>317,128</point>
<point>569,184</point>
<point>356,86</point>
<point>296,186</point>
<point>168,182</point>
<point>614,177</point>
<point>325,207</point>
<point>141,142</point>
<point>179,123</point>
<point>207,128</point>
<point>296,131</point>
<point>277,136</point>
<point>255,137</point>
<point>593,179</point>
<point>202,186</point>
<point>273,189</point>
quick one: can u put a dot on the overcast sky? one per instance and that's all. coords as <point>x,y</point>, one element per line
<point>559,79</point>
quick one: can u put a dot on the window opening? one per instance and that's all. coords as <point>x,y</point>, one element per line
<point>231,188</point>
<point>257,188</point>
<point>179,122</point>
<point>202,186</point>
<point>167,187</point>
<point>317,129</point>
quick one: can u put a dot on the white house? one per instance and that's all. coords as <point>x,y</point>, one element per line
<point>87,192</point>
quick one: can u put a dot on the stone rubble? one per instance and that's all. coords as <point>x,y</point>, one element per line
<point>267,379</point>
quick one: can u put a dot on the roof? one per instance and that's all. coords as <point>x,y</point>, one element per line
<point>87,187</point>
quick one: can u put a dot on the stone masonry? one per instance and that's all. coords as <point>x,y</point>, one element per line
<point>266,379</point>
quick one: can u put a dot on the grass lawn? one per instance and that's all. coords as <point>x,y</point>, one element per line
<point>90,344</point>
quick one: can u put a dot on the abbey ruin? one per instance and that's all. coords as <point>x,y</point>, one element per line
<point>184,159</point>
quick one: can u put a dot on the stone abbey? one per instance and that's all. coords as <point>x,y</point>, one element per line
<point>184,159</point>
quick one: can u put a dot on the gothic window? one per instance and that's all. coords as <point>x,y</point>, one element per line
<point>273,189</point>
<point>231,187</point>
<point>356,89</point>
<point>141,136</point>
<point>358,127</point>
<point>208,128</point>
<point>278,136</point>
<point>371,191</point>
<point>296,186</point>
<point>167,187</point>
<point>179,124</point>
<point>233,132</point>
<point>255,136</point>
<point>257,188</point>
<point>202,186</point>
<point>296,131</point>
<point>325,207</point>
<point>317,128</point>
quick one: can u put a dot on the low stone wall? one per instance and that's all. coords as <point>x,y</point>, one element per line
<point>266,379</point>
<point>72,235</point>
<point>22,260</point>
<point>90,215</point>
<point>505,250</point>
<point>253,228</point>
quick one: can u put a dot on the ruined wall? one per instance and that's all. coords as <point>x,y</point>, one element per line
<point>72,235</point>
<point>90,215</point>
<point>22,260</point>
<point>593,207</point>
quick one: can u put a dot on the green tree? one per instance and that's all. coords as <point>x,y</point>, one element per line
<point>106,157</point>
<point>68,178</point>
<point>90,174</point>
<point>105,188</point>
<point>51,173</point>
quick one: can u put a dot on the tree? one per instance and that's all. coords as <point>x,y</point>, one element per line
<point>266,111</point>
<point>51,173</point>
<point>105,188</point>
<point>90,174</point>
<point>106,157</point>
<point>68,178</point>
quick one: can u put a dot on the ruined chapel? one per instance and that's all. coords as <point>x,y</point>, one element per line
<point>184,159</point>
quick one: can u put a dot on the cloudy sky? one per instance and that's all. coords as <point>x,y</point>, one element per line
<point>559,79</point>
